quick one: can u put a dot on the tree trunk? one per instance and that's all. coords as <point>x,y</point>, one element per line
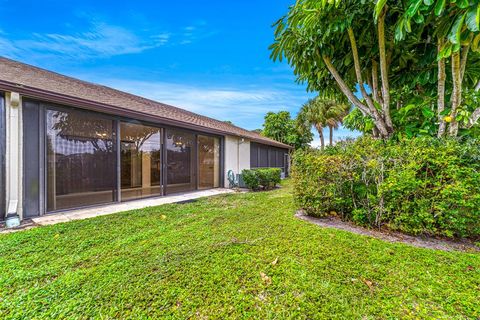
<point>384,71</point>
<point>474,117</point>
<point>456,93</point>
<point>379,122</point>
<point>376,94</point>
<point>331,135</point>
<point>464,58</point>
<point>441,92</point>
<point>358,71</point>
<point>322,139</point>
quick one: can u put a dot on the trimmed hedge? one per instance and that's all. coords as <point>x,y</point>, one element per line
<point>418,186</point>
<point>261,178</point>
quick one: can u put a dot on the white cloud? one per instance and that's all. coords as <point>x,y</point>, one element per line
<point>244,106</point>
<point>100,40</point>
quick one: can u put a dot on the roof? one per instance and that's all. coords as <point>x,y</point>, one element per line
<point>43,84</point>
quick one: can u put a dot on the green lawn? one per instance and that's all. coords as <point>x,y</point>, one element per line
<point>206,259</point>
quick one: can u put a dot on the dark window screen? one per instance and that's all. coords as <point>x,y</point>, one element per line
<point>32,161</point>
<point>280,158</point>
<point>263,156</point>
<point>81,160</point>
<point>272,157</point>
<point>253,155</point>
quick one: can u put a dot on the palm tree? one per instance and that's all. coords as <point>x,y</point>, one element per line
<point>311,115</point>
<point>334,112</point>
<point>322,112</point>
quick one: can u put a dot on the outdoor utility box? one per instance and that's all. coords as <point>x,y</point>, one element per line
<point>241,183</point>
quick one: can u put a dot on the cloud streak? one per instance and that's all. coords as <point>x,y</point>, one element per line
<point>100,40</point>
<point>243,106</point>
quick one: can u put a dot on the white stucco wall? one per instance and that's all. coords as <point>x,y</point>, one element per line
<point>237,155</point>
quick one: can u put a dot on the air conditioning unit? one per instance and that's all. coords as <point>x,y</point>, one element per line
<point>241,183</point>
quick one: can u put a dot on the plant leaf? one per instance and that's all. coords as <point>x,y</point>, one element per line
<point>412,10</point>
<point>462,4</point>
<point>455,33</point>
<point>439,7</point>
<point>379,7</point>
<point>473,18</point>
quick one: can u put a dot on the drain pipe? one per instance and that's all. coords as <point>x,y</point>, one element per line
<point>240,141</point>
<point>13,158</point>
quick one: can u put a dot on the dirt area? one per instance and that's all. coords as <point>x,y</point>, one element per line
<point>392,236</point>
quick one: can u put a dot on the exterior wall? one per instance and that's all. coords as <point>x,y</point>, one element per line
<point>237,155</point>
<point>3,205</point>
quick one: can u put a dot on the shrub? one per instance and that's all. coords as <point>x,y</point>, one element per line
<point>418,186</point>
<point>261,178</point>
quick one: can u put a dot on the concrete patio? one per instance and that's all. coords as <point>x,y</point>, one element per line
<point>96,211</point>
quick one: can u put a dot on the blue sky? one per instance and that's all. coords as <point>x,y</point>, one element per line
<point>210,57</point>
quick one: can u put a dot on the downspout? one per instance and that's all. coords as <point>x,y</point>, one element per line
<point>239,141</point>
<point>13,160</point>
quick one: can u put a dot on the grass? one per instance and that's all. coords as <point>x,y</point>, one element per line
<point>231,256</point>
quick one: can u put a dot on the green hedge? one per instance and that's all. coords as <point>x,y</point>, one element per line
<point>261,178</point>
<point>418,186</point>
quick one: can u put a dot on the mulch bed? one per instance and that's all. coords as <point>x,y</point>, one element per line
<point>393,236</point>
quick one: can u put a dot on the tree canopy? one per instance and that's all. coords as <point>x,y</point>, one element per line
<point>281,127</point>
<point>322,112</point>
<point>414,63</point>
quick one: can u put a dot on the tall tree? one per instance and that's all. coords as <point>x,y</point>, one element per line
<point>412,60</point>
<point>340,44</point>
<point>281,127</point>
<point>455,26</point>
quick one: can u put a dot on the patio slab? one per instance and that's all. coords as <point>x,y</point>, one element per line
<point>86,213</point>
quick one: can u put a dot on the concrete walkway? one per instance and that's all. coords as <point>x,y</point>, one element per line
<point>124,206</point>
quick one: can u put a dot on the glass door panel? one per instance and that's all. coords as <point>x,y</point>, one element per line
<point>180,147</point>
<point>81,162</point>
<point>208,162</point>
<point>140,161</point>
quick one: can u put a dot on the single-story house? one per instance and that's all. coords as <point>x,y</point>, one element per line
<point>67,143</point>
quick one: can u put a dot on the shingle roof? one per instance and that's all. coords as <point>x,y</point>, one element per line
<point>27,77</point>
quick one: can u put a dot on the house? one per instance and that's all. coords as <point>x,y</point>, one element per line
<point>67,143</point>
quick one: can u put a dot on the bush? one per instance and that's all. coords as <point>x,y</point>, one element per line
<point>261,178</point>
<point>418,186</point>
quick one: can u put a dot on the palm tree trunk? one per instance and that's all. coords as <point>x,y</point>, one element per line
<point>331,135</point>
<point>322,138</point>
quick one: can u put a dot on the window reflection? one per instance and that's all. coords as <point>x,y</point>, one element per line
<point>180,161</point>
<point>80,160</point>
<point>208,162</point>
<point>140,161</point>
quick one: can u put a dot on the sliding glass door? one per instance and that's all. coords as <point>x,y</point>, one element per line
<point>180,148</point>
<point>208,162</point>
<point>140,161</point>
<point>95,159</point>
<point>81,159</point>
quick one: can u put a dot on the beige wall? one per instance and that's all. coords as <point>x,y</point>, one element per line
<point>237,155</point>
